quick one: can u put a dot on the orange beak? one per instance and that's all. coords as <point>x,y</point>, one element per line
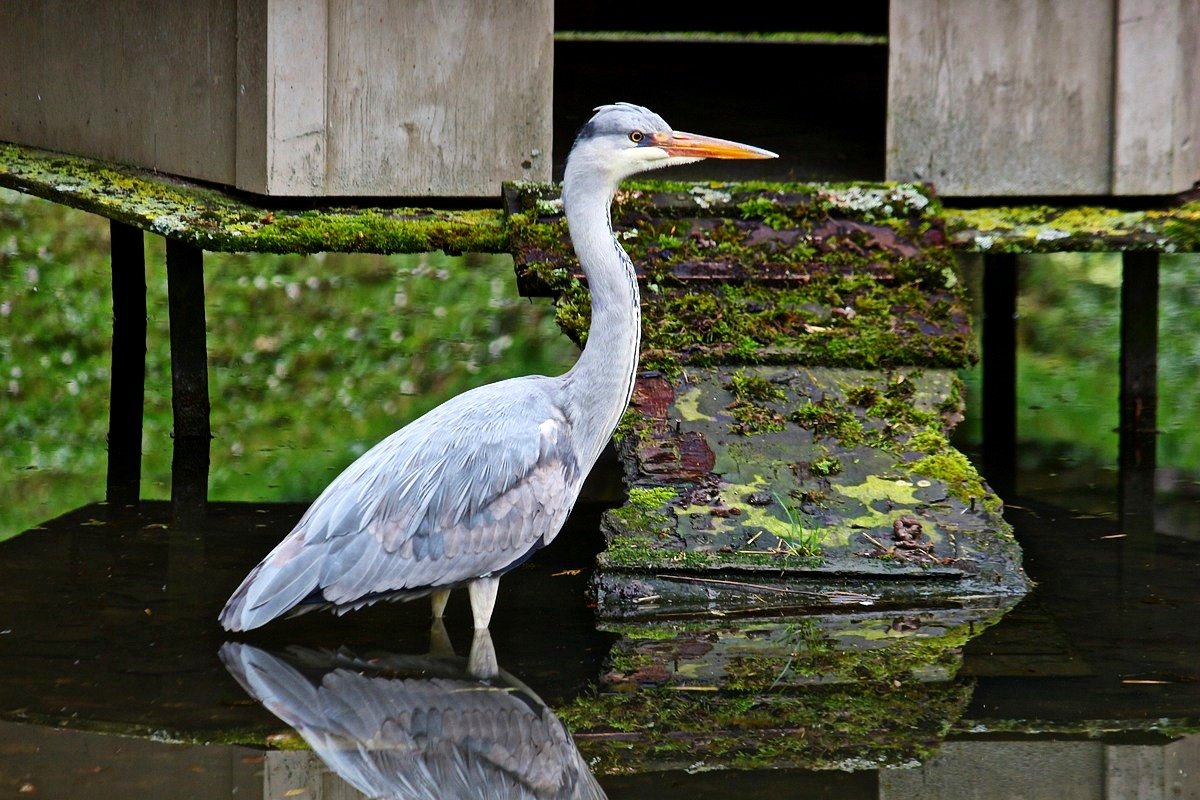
<point>692,145</point>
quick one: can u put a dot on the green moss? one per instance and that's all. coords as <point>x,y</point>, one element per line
<point>767,210</point>
<point>752,418</point>
<point>645,510</point>
<point>634,551</point>
<point>825,466</point>
<point>929,441</point>
<point>651,498</point>
<point>953,468</point>
<point>1047,229</point>
<point>857,303</point>
<point>754,387</point>
<point>218,221</point>
<point>830,419</point>
<point>632,426</point>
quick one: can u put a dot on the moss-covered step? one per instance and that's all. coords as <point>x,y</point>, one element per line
<point>1171,228</point>
<point>799,486</point>
<point>214,219</point>
<point>787,441</point>
<point>835,275</point>
<point>854,690</point>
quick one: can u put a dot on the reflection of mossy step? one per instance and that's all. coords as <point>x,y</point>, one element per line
<point>766,653</point>
<point>849,690</point>
<point>799,487</point>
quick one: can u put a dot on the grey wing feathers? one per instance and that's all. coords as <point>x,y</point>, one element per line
<point>399,737</point>
<point>466,490</point>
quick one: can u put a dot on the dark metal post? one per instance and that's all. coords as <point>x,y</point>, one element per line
<point>189,381</point>
<point>127,389</point>
<point>1139,391</point>
<point>1000,371</point>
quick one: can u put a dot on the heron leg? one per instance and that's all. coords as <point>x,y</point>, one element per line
<point>483,599</point>
<point>439,600</point>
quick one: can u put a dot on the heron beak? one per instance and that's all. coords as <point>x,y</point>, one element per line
<point>692,145</point>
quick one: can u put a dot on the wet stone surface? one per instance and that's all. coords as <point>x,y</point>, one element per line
<point>839,488</point>
<point>787,439</point>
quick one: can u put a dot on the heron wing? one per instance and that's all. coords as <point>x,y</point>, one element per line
<point>467,490</point>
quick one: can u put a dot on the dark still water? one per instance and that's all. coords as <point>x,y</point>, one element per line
<point>117,682</point>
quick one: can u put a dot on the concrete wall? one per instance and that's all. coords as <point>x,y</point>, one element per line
<point>1045,97</point>
<point>289,97</point>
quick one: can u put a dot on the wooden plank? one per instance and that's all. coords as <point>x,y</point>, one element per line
<point>994,99</point>
<point>1157,124</point>
<point>142,81</point>
<point>410,129</point>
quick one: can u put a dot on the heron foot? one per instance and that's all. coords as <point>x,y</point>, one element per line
<point>483,600</point>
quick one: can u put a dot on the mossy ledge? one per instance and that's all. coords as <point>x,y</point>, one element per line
<point>852,275</point>
<point>217,220</point>
<point>1173,228</point>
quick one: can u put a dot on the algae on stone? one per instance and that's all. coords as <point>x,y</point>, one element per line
<point>871,475</point>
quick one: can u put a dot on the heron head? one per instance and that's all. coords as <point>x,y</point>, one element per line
<point>626,139</point>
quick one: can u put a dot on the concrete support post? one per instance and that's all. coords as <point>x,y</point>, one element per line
<point>128,380</point>
<point>189,381</point>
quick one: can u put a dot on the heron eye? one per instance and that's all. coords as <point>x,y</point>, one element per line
<point>636,136</point>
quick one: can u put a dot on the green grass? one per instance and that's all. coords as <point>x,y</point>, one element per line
<point>312,359</point>
<point>805,541</point>
<point>1069,355</point>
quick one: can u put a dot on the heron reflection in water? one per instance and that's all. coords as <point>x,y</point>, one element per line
<point>470,490</point>
<point>435,726</point>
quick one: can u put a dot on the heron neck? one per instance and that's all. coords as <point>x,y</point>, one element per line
<point>601,382</point>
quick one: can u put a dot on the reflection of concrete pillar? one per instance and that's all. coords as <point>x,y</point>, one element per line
<point>1065,770</point>
<point>301,773</point>
<point>67,764</point>
<point>1002,771</point>
<point>1154,772</point>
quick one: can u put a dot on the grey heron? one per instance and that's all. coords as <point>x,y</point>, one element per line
<point>471,489</point>
<point>400,727</point>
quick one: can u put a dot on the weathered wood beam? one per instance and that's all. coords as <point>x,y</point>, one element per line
<point>128,383</point>
<point>189,381</point>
